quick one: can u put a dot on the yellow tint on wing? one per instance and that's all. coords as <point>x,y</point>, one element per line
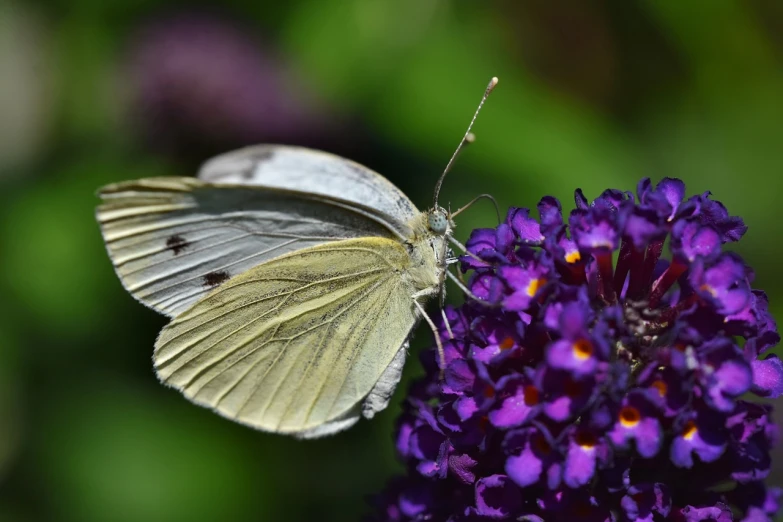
<point>297,341</point>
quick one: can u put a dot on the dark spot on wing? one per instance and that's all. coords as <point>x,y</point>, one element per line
<point>215,278</point>
<point>261,157</point>
<point>404,204</point>
<point>177,244</point>
<point>265,156</point>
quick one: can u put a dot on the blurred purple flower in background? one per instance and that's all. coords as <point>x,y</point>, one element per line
<point>605,382</point>
<point>199,81</point>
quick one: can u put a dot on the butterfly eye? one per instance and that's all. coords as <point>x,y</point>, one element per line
<point>438,222</point>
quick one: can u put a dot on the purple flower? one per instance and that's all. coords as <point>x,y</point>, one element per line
<point>586,451</point>
<point>497,497</point>
<point>642,502</point>
<point>532,457</point>
<point>701,433</point>
<point>579,351</point>
<point>564,396</point>
<point>524,281</point>
<point>719,512</point>
<point>525,229</point>
<point>752,435</point>
<point>760,504</point>
<point>517,401</point>
<point>637,421</point>
<point>725,376</point>
<point>692,240</point>
<point>603,380</point>
<point>664,200</point>
<point>723,283</point>
<point>198,80</point>
<point>665,388</point>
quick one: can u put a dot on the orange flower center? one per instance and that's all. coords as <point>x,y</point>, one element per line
<point>690,430</point>
<point>573,257</point>
<point>630,416</point>
<point>661,387</point>
<point>507,343</point>
<point>707,288</point>
<point>585,440</point>
<point>534,285</point>
<point>583,349</point>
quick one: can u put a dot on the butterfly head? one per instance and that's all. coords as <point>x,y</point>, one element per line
<point>438,221</point>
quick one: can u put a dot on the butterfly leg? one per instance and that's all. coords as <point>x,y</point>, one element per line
<point>438,342</point>
<point>454,261</point>
<point>464,249</point>
<point>470,294</point>
<point>446,323</point>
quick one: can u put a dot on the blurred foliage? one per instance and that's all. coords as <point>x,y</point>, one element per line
<point>592,95</point>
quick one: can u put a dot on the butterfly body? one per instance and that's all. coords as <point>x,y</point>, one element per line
<point>427,249</point>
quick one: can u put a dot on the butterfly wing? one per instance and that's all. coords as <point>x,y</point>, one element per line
<point>300,343</point>
<point>311,171</point>
<point>172,240</point>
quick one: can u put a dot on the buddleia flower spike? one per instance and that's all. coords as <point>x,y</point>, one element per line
<point>608,384</point>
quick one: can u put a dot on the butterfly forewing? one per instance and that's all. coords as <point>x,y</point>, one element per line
<point>314,172</point>
<point>297,342</point>
<point>172,240</point>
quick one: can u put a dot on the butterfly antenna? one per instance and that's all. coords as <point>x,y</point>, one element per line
<point>472,201</point>
<point>468,138</point>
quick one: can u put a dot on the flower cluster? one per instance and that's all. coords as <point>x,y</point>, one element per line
<point>199,81</point>
<point>597,380</point>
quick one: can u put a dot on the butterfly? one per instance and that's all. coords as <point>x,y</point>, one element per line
<point>293,279</point>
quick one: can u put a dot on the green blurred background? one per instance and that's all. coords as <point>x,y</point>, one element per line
<point>592,95</point>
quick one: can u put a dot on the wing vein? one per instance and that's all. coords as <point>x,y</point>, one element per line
<point>234,332</point>
<point>353,356</point>
<point>245,374</point>
<point>329,322</point>
<point>180,256</point>
<point>253,391</point>
<point>271,339</point>
<point>331,370</point>
<point>222,219</point>
<point>261,300</point>
<point>188,346</point>
<point>202,274</point>
<point>167,303</point>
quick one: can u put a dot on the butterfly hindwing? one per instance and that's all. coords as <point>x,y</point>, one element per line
<point>295,345</point>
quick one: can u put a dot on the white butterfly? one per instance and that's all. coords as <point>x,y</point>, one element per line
<point>293,278</point>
